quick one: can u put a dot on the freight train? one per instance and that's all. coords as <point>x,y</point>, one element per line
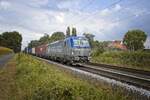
<point>71,50</point>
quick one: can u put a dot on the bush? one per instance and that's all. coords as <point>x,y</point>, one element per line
<point>132,59</point>
<point>97,52</point>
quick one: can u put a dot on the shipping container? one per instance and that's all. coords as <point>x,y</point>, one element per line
<point>29,50</point>
<point>41,50</point>
<point>33,51</point>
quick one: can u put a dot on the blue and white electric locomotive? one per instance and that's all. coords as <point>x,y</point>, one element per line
<point>72,49</point>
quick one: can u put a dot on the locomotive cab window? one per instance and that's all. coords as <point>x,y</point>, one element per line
<point>81,43</point>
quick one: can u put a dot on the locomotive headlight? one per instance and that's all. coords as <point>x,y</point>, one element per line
<point>72,52</point>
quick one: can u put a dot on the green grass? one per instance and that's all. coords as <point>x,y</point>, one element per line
<point>138,60</point>
<point>31,79</point>
<point>4,51</point>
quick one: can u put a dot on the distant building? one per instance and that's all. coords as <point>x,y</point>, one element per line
<point>117,45</point>
<point>147,43</point>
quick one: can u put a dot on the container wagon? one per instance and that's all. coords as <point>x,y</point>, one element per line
<point>41,50</point>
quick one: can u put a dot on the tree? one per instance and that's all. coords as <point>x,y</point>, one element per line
<point>1,40</point>
<point>134,39</point>
<point>33,43</point>
<point>90,38</point>
<point>74,32</point>
<point>68,32</point>
<point>11,40</point>
<point>47,39</point>
<point>44,39</point>
<point>57,36</point>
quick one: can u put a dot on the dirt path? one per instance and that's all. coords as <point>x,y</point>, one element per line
<point>5,58</point>
<point>7,80</point>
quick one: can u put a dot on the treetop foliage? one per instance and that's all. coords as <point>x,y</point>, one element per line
<point>74,31</point>
<point>90,38</point>
<point>54,37</point>
<point>68,32</point>
<point>33,43</point>
<point>47,39</point>
<point>134,39</point>
<point>57,36</point>
<point>44,39</point>
<point>71,32</point>
<point>11,40</point>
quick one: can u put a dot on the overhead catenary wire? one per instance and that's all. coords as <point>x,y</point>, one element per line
<point>115,21</point>
<point>128,17</point>
<point>125,8</point>
<point>87,5</point>
<point>85,18</point>
<point>94,13</point>
<point>124,19</point>
<point>107,8</point>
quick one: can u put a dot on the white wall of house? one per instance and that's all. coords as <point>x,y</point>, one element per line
<point>147,43</point>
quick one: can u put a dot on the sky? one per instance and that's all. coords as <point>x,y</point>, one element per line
<point>106,19</point>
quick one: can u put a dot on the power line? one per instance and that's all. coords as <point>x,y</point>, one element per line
<point>124,8</point>
<point>86,6</point>
<point>127,18</point>
<point>107,8</point>
<point>82,9</point>
<point>85,18</point>
<point>115,21</point>
<point>113,4</point>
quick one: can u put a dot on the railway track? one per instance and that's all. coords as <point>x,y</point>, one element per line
<point>122,68</point>
<point>133,77</point>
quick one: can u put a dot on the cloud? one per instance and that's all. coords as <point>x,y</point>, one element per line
<point>117,7</point>
<point>38,3</point>
<point>105,12</point>
<point>4,5</point>
<point>68,4</point>
<point>34,22</point>
<point>109,11</point>
<point>33,18</point>
<point>60,17</point>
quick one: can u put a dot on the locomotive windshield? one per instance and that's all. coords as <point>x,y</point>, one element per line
<point>80,43</point>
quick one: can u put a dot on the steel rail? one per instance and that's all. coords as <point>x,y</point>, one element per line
<point>137,71</point>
